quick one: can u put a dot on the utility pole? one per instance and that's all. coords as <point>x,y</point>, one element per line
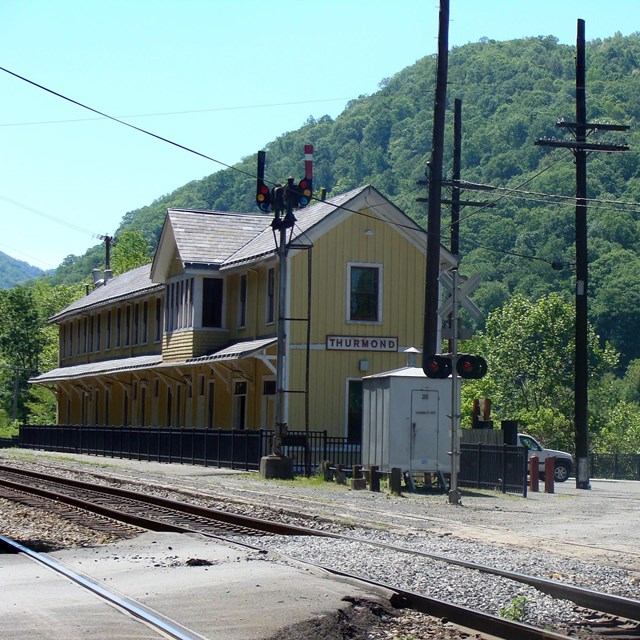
<point>430,337</point>
<point>282,200</point>
<point>455,177</point>
<point>581,129</point>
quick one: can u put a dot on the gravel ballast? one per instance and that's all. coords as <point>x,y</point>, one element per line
<point>560,537</point>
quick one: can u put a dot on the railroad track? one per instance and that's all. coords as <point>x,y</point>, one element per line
<point>616,617</point>
<point>164,627</point>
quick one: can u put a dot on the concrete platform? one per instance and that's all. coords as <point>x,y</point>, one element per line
<point>218,591</point>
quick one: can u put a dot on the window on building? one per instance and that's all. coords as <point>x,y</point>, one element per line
<point>271,296</point>
<point>242,310</point>
<point>127,326</point>
<point>212,291</point>
<point>108,332</point>
<point>98,332</point>
<point>364,293</point>
<point>144,337</point>
<point>354,412</point>
<point>118,327</point>
<point>158,320</point>
<point>91,336</point>
<point>136,323</point>
<point>239,405</point>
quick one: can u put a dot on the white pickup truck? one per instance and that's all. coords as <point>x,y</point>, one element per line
<point>563,463</point>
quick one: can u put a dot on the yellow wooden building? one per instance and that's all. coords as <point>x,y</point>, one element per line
<point>190,340</point>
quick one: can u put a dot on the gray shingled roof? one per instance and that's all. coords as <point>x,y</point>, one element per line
<point>235,351</point>
<point>263,244</point>
<point>210,237</point>
<point>136,281</point>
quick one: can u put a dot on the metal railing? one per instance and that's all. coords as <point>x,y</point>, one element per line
<point>481,465</point>
<point>228,448</point>
<point>491,466</point>
<point>616,466</point>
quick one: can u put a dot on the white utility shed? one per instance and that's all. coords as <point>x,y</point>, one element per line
<point>406,421</point>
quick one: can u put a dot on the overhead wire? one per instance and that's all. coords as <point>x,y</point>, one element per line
<point>253,176</point>
<point>126,124</point>
<point>176,113</point>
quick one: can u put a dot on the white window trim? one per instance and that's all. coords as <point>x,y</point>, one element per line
<point>369,265</point>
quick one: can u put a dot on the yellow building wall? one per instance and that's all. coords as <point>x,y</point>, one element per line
<point>359,239</point>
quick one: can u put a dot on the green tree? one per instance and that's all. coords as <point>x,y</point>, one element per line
<point>131,250</point>
<point>27,343</point>
<point>529,348</point>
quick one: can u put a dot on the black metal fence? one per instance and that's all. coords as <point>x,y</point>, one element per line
<point>499,467</point>
<point>618,466</point>
<point>235,449</point>
<point>491,466</point>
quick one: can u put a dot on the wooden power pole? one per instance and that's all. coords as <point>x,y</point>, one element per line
<point>430,337</point>
<point>581,130</point>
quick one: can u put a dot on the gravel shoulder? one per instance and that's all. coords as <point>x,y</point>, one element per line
<point>585,537</point>
<point>601,524</point>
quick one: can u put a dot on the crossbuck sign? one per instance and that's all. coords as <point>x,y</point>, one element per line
<point>466,286</point>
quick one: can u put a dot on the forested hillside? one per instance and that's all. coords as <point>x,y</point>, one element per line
<point>13,272</point>
<point>512,94</point>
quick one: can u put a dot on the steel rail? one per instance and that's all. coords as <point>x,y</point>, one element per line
<point>602,602</point>
<point>161,624</point>
<point>583,597</point>
<point>462,616</point>
<point>217,515</point>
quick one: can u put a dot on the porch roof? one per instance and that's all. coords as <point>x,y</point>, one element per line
<point>235,351</point>
<point>104,367</point>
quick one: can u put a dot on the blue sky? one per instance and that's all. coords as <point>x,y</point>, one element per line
<point>224,77</point>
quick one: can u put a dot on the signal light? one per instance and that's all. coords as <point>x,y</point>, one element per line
<point>263,196</point>
<point>471,367</point>
<point>305,191</point>
<point>437,366</point>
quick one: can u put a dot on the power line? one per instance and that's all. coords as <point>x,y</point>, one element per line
<point>635,206</point>
<point>126,124</point>
<point>26,255</point>
<point>49,216</point>
<point>228,166</point>
<point>502,197</point>
<point>177,113</point>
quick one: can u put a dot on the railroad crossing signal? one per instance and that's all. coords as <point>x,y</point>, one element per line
<point>437,366</point>
<point>468,285</point>
<point>469,367</point>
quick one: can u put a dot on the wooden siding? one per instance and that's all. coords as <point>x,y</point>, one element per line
<point>403,268</point>
<point>106,344</point>
<point>172,396</point>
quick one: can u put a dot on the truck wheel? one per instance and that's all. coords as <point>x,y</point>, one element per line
<point>561,471</point>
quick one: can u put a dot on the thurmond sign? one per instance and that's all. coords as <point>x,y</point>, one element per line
<point>358,343</point>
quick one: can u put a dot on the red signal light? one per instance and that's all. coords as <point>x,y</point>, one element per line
<point>437,366</point>
<point>471,367</point>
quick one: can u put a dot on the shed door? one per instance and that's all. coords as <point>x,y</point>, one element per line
<point>425,431</point>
